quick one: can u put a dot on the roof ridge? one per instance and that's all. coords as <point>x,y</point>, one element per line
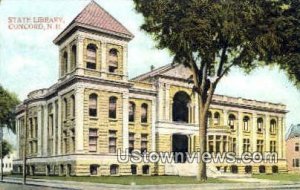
<point>141,76</point>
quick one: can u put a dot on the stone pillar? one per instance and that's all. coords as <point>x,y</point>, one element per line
<point>283,138</point>
<point>125,58</point>
<point>254,132</point>
<point>54,129</point>
<point>168,114</point>
<point>79,111</point>
<point>40,132</point>
<point>225,117</point>
<point>267,134</point>
<point>153,125</point>
<point>279,138</point>
<point>45,131</point>
<point>239,140</point>
<point>18,137</point>
<point>160,102</point>
<point>125,122</point>
<point>59,121</point>
<point>79,56</point>
<point>69,59</point>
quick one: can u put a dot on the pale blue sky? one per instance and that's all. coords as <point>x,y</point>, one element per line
<point>29,59</point>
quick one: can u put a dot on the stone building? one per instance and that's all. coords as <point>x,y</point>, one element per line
<point>293,148</point>
<point>76,126</point>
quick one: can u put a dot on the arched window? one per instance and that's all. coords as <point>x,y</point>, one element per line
<point>217,118</point>
<point>273,126</point>
<point>93,105</point>
<point>209,119</point>
<point>231,121</point>
<point>260,122</point>
<point>144,113</point>
<point>74,56</point>
<point>181,102</point>
<point>73,105</point>
<point>91,56</point>
<point>112,60</point>
<point>65,63</point>
<point>131,111</point>
<point>65,108</point>
<point>246,123</point>
<point>113,107</point>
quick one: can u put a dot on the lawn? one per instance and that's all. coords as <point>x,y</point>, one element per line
<point>129,180</point>
<point>279,177</point>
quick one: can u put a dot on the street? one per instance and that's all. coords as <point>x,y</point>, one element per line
<point>10,186</point>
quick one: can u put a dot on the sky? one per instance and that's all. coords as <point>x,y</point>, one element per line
<point>29,59</point>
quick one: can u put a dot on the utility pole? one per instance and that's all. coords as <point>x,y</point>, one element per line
<point>24,145</point>
<point>1,141</point>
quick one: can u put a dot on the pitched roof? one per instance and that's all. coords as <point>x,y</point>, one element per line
<point>294,131</point>
<point>93,16</point>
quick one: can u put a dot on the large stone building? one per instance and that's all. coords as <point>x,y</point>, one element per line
<point>75,126</point>
<point>293,148</point>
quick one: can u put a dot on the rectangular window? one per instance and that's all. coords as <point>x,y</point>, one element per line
<point>260,146</point>
<point>297,147</point>
<point>246,145</point>
<point>272,146</point>
<point>93,138</point>
<point>234,145</point>
<point>218,144</point>
<point>112,141</point>
<point>144,143</point>
<point>296,163</point>
<point>131,142</point>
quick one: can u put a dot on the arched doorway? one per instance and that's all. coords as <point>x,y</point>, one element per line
<point>181,102</point>
<point>179,147</point>
<point>262,169</point>
<point>248,169</point>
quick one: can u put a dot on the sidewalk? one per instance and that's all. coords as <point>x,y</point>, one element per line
<point>72,185</point>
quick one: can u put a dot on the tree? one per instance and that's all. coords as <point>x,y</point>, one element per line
<point>6,148</point>
<point>212,36</point>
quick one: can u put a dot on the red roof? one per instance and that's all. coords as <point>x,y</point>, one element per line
<point>93,15</point>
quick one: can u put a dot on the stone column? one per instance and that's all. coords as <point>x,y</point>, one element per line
<point>40,132</point>
<point>125,58</point>
<point>279,138</point>
<point>54,129</point>
<point>254,132</point>
<point>103,65</point>
<point>239,140</point>
<point>125,122</point>
<point>168,114</point>
<point>267,134</point>
<point>18,136</point>
<point>45,131</point>
<point>225,117</point>
<point>59,121</point>
<point>79,56</point>
<point>160,102</point>
<point>283,138</point>
<point>79,113</point>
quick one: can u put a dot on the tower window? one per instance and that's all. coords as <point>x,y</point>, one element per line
<point>113,60</point>
<point>93,105</point>
<point>131,111</point>
<point>259,124</point>
<point>74,56</point>
<point>231,121</point>
<point>273,126</point>
<point>246,123</point>
<point>217,118</point>
<point>144,117</point>
<point>91,56</point>
<point>65,62</point>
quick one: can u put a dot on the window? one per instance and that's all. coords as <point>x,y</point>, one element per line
<point>272,146</point>
<point>131,111</point>
<point>209,119</point>
<point>217,118</point>
<point>131,142</point>
<point>231,120</point>
<point>273,126</point>
<point>144,113</point>
<point>31,128</point>
<point>246,145</point>
<point>260,146</point>
<point>65,108</point>
<point>218,143</point>
<point>144,143</point>
<point>180,107</point>
<point>246,123</point>
<point>73,105</point>
<point>296,163</point>
<point>112,141</point>
<point>297,147</point>
<point>65,62</point>
<point>234,145</point>
<point>133,169</point>
<point>114,169</point>
<point>145,169</point>
<point>211,144</point>
<point>94,169</point>
<point>74,56</point>
<point>93,105</point>
<point>93,138</point>
<point>259,125</point>
<point>91,56</point>
<point>113,60</point>
<point>65,142</point>
<point>113,107</point>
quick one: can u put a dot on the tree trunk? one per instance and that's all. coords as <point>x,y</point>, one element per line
<point>1,152</point>
<point>201,175</point>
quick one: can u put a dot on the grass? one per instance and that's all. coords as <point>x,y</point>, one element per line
<point>279,177</point>
<point>129,180</point>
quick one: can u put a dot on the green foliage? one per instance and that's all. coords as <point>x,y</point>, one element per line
<point>215,35</point>
<point>6,148</point>
<point>8,101</point>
